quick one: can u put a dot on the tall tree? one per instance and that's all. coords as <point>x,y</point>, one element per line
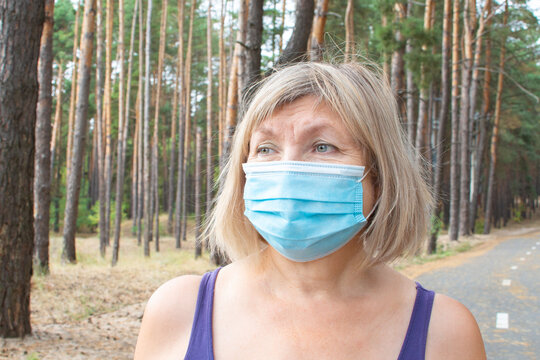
<point>443,115</point>
<point>42,180</point>
<point>469,20</point>
<point>422,140</point>
<point>495,133</point>
<point>296,49</point>
<point>81,122</point>
<point>198,180</point>
<point>209,162</point>
<point>146,134</point>
<point>317,33</point>
<point>349,30</point>
<point>73,95</point>
<point>253,43</point>
<point>396,80</point>
<point>222,88</point>
<point>122,132</point>
<point>19,53</point>
<point>181,126</point>
<point>454,150</point>
<point>57,114</point>
<point>411,123</point>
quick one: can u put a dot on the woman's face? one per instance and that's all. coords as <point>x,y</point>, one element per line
<point>305,131</point>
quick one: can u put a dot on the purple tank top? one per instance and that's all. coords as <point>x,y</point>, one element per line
<point>201,342</point>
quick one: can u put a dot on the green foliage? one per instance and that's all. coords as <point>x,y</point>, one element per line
<point>436,224</point>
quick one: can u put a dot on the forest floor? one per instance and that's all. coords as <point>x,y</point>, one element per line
<point>91,310</point>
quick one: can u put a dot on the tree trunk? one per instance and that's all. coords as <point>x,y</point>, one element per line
<point>99,129</point>
<point>209,162</point>
<point>396,80</point>
<point>181,126</point>
<point>443,115</point>
<point>317,33</point>
<point>57,115</point>
<point>241,35</point>
<point>79,140</point>
<point>469,19</point>
<point>410,85</point>
<point>42,180</point>
<point>349,31</point>
<point>146,135</point>
<point>297,46</point>
<point>19,53</point>
<point>478,147</point>
<point>140,111</point>
<point>222,88</point>
<point>187,137</point>
<point>495,134</point>
<point>253,44</point>
<point>107,102</point>
<point>122,133</point>
<point>198,178</point>
<point>73,96</point>
<point>422,140</point>
<point>454,150</point>
<point>155,151</point>
<point>172,154</point>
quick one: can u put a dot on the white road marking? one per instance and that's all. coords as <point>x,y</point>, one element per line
<point>513,267</point>
<point>506,282</point>
<point>521,259</point>
<point>538,243</point>
<point>534,248</point>
<point>528,253</point>
<point>502,321</point>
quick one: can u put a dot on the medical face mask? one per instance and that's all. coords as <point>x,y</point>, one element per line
<point>304,210</point>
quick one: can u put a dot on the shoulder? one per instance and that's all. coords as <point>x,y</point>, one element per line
<point>168,317</point>
<point>453,332</point>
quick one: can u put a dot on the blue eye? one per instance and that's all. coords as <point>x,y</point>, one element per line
<point>322,148</point>
<point>264,150</point>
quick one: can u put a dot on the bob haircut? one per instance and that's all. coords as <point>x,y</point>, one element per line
<point>366,105</point>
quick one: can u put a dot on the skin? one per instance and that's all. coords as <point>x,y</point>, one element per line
<point>268,307</point>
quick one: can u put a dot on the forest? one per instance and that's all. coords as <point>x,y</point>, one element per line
<point>138,102</point>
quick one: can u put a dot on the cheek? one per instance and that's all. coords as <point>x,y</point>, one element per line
<point>369,194</point>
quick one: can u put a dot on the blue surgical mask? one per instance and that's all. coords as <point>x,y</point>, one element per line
<point>304,210</point>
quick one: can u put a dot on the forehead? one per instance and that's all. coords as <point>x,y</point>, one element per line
<point>306,114</point>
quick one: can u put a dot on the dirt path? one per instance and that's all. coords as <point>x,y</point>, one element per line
<point>93,311</point>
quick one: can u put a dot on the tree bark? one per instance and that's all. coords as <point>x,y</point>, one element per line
<point>198,178</point>
<point>469,19</point>
<point>140,141</point>
<point>495,133</point>
<point>422,140</point>
<point>122,133</point>
<point>317,33</point>
<point>181,127</point>
<point>222,88</point>
<point>187,133</point>
<point>73,95</point>
<point>146,136</point>
<point>349,31</point>
<point>454,150</point>
<point>443,115</point>
<point>81,122</point>
<point>478,146</point>
<point>209,113</point>
<point>57,115</point>
<point>396,80</point>
<point>21,23</point>
<point>42,180</point>
<point>296,49</point>
<point>410,85</point>
<point>253,44</point>
<point>108,123</point>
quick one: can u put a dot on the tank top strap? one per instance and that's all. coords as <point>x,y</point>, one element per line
<point>200,342</point>
<point>414,346</point>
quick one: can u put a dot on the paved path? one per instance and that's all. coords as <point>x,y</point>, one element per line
<point>502,290</point>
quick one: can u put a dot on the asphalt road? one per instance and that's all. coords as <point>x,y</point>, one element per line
<point>502,290</point>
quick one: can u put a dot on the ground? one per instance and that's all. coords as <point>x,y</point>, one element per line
<point>91,310</point>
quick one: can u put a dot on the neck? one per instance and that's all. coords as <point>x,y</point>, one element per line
<point>338,274</point>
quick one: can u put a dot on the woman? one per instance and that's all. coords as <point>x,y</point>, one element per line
<point>321,192</point>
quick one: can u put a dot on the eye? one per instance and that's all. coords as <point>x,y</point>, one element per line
<point>264,150</point>
<point>322,148</point>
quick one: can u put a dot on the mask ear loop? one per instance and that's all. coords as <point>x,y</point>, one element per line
<point>378,199</point>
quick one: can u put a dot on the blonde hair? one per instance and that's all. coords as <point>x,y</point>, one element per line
<point>368,109</point>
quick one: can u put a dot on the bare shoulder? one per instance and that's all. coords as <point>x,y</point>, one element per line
<point>167,320</point>
<point>453,332</point>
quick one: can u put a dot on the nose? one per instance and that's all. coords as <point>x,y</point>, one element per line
<point>292,152</point>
